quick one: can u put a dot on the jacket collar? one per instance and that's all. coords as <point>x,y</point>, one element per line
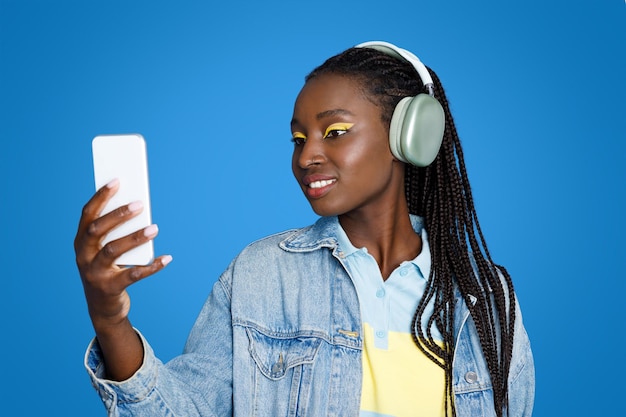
<point>323,234</point>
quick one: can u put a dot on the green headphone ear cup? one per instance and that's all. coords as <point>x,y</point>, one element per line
<point>416,130</point>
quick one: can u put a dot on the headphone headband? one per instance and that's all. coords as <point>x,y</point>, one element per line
<point>393,50</point>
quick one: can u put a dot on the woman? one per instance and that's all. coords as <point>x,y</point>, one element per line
<point>389,304</point>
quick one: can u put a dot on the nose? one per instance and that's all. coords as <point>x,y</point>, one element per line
<point>310,153</point>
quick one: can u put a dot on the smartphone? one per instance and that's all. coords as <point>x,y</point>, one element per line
<point>124,157</point>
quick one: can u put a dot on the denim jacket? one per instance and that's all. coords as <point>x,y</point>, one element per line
<point>280,335</point>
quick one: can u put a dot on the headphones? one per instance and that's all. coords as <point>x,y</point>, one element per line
<point>417,124</point>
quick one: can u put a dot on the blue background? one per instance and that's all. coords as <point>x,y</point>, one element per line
<point>537,89</point>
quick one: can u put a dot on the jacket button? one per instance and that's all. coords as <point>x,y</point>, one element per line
<point>471,377</point>
<point>279,367</point>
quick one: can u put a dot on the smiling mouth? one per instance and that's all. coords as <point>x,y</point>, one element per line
<point>321,184</point>
<point>319,188</point>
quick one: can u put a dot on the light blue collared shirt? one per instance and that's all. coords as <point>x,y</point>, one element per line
<point>388,305</point>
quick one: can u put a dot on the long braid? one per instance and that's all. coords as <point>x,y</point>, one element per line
<point>441,194</point>
<point>496,294</point>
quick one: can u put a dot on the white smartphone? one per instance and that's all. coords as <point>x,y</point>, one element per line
<point>124,157</point>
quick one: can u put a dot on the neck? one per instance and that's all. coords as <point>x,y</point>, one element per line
<point>388,236</point>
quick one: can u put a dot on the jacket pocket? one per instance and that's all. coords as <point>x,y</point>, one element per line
<point>284,363</point>
<point>276,354</point>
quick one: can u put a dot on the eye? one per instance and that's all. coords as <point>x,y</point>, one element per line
<point>337,129</point>
<point>298,138</point>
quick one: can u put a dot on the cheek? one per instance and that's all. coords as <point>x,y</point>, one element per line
<point>373,150</point>
<point>295,166</point>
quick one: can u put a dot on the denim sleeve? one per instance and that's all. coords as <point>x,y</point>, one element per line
<point>197,383</point>
<point>522,372</point>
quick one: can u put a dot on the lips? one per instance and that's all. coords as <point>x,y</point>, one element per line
<point>318,185</point>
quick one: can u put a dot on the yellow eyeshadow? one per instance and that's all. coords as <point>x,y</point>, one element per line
<point>298,135</point>
<point>338,126</point>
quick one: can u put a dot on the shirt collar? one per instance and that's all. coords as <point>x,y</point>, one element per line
<point>422,261</point>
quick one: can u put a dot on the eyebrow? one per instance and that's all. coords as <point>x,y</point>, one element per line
<point>327,113</point>
<point>333,112</point>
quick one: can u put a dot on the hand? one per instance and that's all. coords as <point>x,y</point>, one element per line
<point>104,282</point>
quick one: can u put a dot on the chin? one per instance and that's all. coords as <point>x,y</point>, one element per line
<point>325,211</point>
<point>328,206</point>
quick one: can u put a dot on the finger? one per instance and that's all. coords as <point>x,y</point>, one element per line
<point>98,228</point>
<point>88,243</point>
<point>131,275</point>
<point>96,204</point>
<point>98,201</point>
<point>116,248</point>
<point>107,295</point>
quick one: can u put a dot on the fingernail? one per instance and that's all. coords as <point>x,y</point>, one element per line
<point>113,183</point>
<point>135,206</point>
<point>151,230</point>
<point>166,260</point>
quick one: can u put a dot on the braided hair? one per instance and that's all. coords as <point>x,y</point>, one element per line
<point>441,194</point>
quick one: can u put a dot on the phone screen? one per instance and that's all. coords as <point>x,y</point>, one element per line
<point>125,157</point>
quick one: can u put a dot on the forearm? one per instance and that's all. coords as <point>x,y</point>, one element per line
<point>121,348</point>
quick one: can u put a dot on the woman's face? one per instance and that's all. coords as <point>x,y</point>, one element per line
<point>341,156</point>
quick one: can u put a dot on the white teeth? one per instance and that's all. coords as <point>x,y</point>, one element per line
<point>320,184</point>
